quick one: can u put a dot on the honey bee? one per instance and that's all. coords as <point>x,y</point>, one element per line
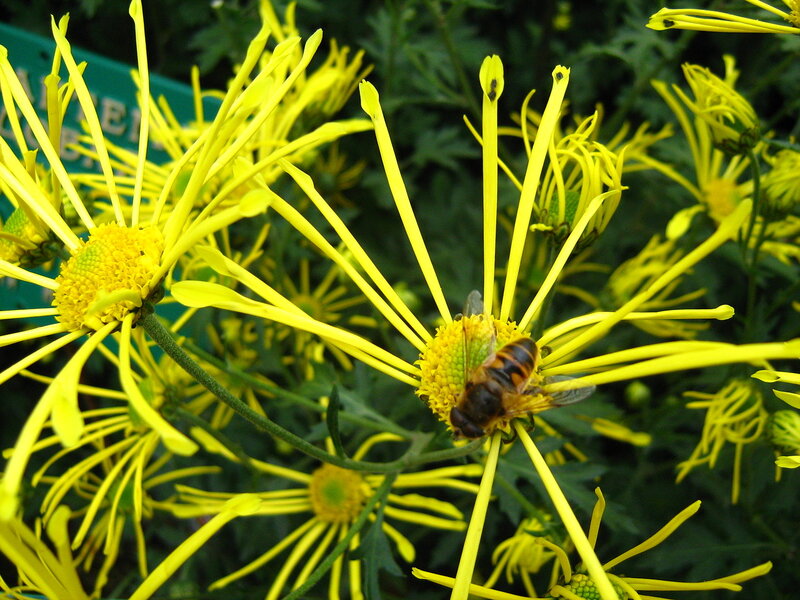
<point>492,389</point>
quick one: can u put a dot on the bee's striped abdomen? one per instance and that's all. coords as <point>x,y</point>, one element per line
<point>514,362</point>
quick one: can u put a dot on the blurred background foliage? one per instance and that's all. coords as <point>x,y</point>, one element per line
<point>426,55</point>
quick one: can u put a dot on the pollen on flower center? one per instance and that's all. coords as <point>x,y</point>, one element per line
<point>337,494</point>
<point>457,349</point>
<point>113,260</point>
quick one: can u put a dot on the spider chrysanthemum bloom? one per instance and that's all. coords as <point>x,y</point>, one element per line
<point>515,313</point>
<point>24,238</point>
<point>576,584</point>
<point>722,22</point>
<point>525,553</point>
<point>55,575</point>
<point>113,275</point>
<point>733,122</point>
<point>782,184</point>
<point>331,498</point>
<point>580,170</point>
<point>734,415</point>
<point>719,186</point>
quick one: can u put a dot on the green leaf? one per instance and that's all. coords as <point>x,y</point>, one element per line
<point>376,554</point>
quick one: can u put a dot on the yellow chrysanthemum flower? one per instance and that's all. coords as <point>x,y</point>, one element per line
<point>335,498</point>
<point>731,119</point>
<point>576,584</point>
<point>114,275</point>
<point>735,415</point>
<point>718,187</point>
<point>26,238</point>
<point>722,22</point>
<point>126,459</point>
<point>54,575</point>
<point>524,554</point>
<point>579,170</point>
<point>551,376</point>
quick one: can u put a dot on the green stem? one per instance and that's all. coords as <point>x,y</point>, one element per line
<point>343,544</point>
<point>383,425</point>
<point>418,440</point>
<point>754,168</point>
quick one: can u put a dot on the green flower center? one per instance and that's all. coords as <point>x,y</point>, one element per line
<point>23,238</point>
<point>337,495</point>
<point>583,587</point>
<point>109,276</point>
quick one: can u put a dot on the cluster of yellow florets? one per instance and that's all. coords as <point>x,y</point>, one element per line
<point>114,259</point>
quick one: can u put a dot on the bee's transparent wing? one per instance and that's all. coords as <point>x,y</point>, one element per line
<point>566,397</point>
<point>474,304</point>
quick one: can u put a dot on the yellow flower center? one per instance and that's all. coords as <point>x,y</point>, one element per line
<point>115,262</point>
<point>582,586</point>
<point>721,197</point>
<point>452,357</point>
<point>337,495</point>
